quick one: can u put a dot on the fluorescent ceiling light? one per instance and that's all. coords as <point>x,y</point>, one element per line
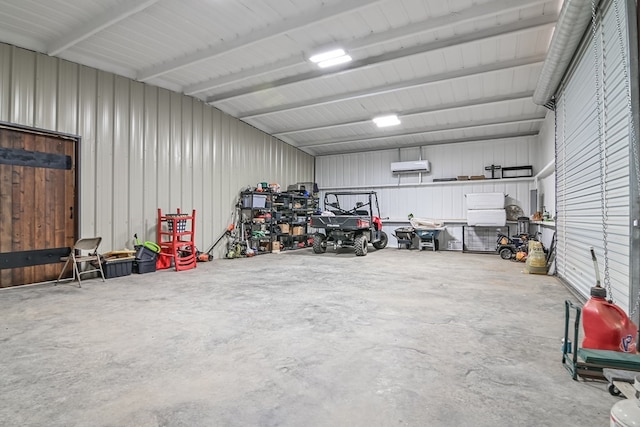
<point>384,121</point>
<point>330,58</point>
<point>334,61</point>
<point>324,56</point>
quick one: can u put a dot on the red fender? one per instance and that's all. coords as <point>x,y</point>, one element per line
<point>377,223</point>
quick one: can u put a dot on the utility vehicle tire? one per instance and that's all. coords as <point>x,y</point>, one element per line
<point>506,253</point>
<point>319,245</point>
<point>382,243</point>
<point>360,245</point>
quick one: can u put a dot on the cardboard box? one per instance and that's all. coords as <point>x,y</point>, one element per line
<point>275,247</point>
<point>284,228</point>
<point>298,230</point>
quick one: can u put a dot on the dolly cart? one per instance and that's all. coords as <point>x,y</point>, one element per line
<point>590,363</point>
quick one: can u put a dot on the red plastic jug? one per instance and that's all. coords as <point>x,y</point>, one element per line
<point>606,326</point>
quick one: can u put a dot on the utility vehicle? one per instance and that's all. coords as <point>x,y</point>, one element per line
<point>355,226</point>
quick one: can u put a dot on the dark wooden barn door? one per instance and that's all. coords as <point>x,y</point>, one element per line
<point>38,204</point>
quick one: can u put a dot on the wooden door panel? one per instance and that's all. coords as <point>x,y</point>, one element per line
<point>37,205</point>
<point>6,209</point>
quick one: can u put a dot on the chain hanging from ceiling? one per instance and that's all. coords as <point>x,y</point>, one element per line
<point>598,42</point>
<point>633,140</point>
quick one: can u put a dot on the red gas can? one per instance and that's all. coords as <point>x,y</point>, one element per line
<point>606,326</point>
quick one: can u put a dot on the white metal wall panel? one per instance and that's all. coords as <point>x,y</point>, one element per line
<point>120,181</point>
<point>46,92</point>
<point>403,194</point>
<point>197,172</point>
<point>205,195</point>
<point>163,175</point>
<point>447,161</point>
<point>579,193</point>
<point>104,159</point>
<point>136,159</point>
<point>546,185</point>
<point>87,119</point>
<point>186,163</point>
<point>175,156</point>
<point>143,148</point>
<point>22,88</point>
<point>444,201</point>
<point>66,112</point>
<point>5,80</point>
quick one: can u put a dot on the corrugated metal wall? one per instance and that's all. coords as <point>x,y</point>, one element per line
<point>583,204</point>
<point>411,193</point>
<point>143,147</point>
<point>546,182</point>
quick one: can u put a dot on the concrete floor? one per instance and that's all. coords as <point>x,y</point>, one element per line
<point>394,338</point>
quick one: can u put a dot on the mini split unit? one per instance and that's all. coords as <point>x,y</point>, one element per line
<point>411,167</point>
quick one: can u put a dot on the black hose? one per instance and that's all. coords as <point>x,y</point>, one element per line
<point>595,265</point>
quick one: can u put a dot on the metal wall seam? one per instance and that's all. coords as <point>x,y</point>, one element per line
<point>136,161</point>
<point>120,179</point>
<point>186,162</point>
<point>86,159</point>
<point>151,163</point>
<point>67,97</point>
<point>163,167</point>
<point>104,158</point>
<point>46,93</point>
<point>22,87</point>
<point>207,187</point>
<point>175,155</point>
<point>197,173</point>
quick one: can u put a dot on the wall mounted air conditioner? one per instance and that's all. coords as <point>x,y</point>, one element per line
<point>411,167</point>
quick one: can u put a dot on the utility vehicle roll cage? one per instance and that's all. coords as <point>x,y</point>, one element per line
<point>363,207</point>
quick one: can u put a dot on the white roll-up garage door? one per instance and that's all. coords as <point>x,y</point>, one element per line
<point>592,138</point>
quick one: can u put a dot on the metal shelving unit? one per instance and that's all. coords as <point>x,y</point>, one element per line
<point>256,220</point>
<point>291,212</point>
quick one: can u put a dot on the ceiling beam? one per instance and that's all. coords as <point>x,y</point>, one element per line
<point>308,18</point>
<point>496,7</point>
<point>376,39</point>
<point>512,135</point>
<point>420,111</point>
<point>99,23</point>
<point>389,88</point>
<point>530,118</point>
<point>456,41</point>
<point>292,61</point>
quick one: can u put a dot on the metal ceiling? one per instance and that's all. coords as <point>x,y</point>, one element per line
<point>456,70</point>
